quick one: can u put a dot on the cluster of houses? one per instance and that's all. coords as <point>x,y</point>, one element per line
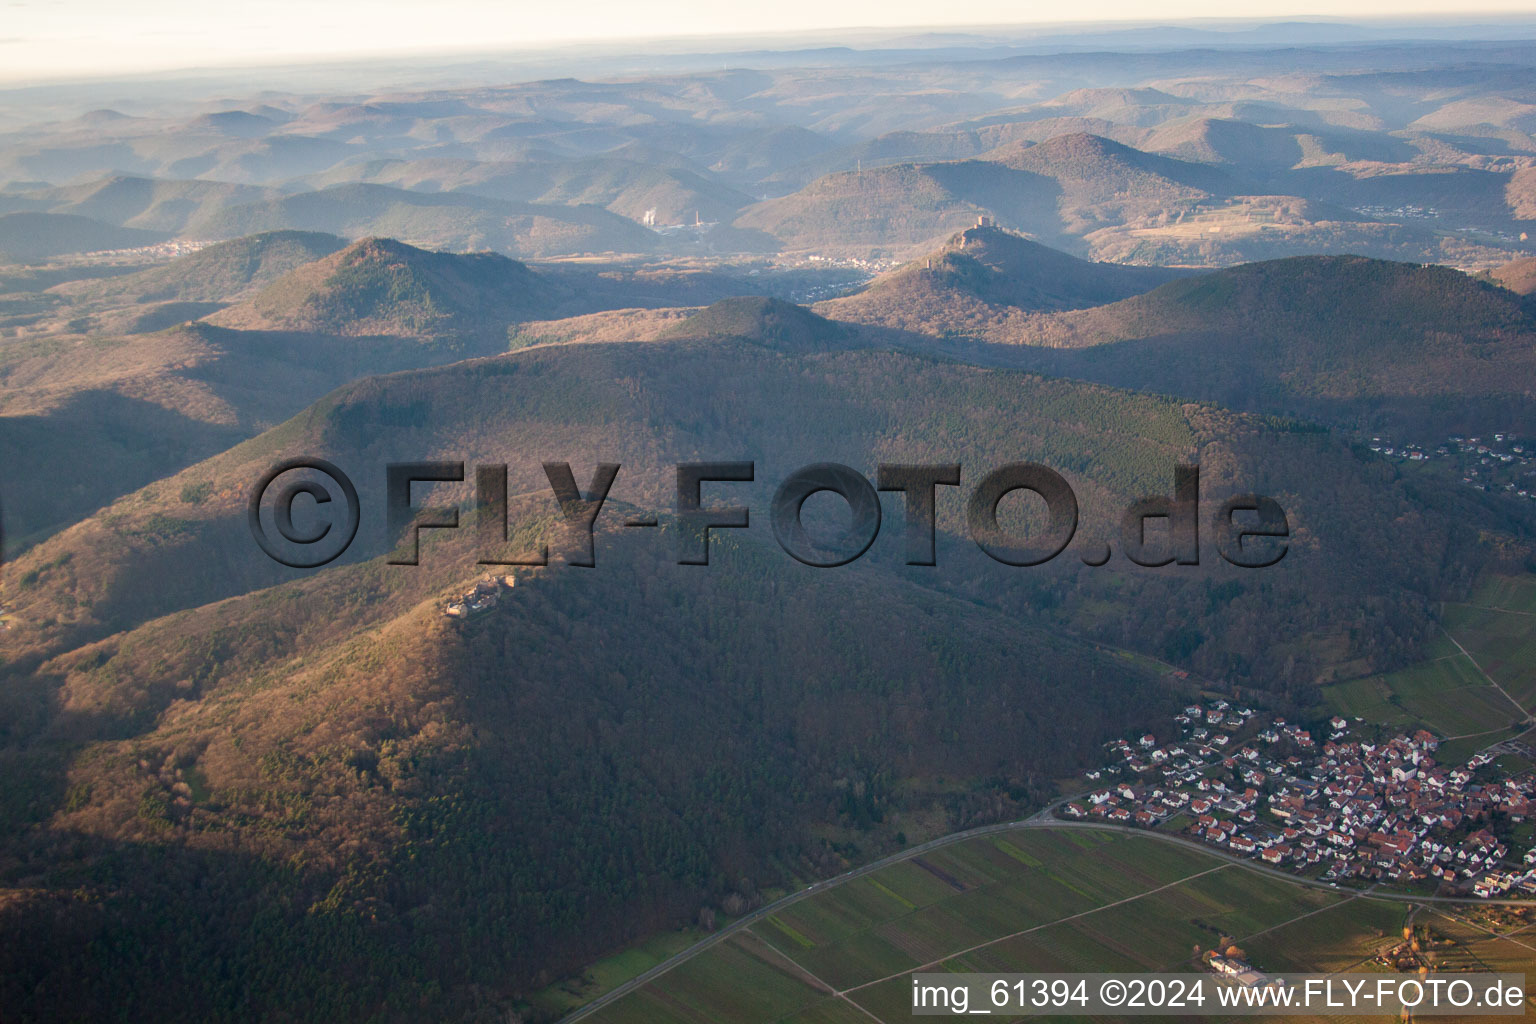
<point>143,253</point>
<point>1406,211</point>
<point>1343,807</point>
<point>1499,462</point>
<point>865,270</point>
<point>486,592</point>
<point>873,266</point>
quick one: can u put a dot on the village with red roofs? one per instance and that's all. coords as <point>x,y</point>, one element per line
<point>1374,809</point>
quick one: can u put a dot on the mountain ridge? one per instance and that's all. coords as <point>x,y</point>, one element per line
<point>987,276</point>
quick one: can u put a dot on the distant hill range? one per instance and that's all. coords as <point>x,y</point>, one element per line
<point>467,220</point>
<point>631,188</point>
<point>451,220</point>
<point>38,236</point>
<point>149,203</point>
<point>1095,196</point>
<point>1057,190</point>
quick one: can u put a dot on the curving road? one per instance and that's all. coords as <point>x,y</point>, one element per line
<point>1042,819</point>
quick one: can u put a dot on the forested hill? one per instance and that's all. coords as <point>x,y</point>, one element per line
<point>417,806</point>
<point>224,271</point>
<point>762,321</point>
<point>651,406</point>
<point>1369,344</point>
<point>383,287</point>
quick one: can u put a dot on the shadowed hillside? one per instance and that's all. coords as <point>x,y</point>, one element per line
<point>492,802</point>
<point>125,411</point>
<point>1364,343</point>
<point>1254,149</point>
<point>1368,343</point>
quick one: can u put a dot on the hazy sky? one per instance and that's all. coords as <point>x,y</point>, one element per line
<point>42,39</point>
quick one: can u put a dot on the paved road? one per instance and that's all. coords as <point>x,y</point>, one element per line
<point>1042,819</point>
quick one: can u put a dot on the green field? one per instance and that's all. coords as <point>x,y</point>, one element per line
<point>1501,635</point>
<point>1508,593</point>
<point>1450,692</point>
<point>1449,696</point>
<point>566,995</point>
<point>1049,899</point>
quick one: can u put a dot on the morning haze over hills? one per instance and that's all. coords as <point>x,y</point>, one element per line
<point>494,786</point>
